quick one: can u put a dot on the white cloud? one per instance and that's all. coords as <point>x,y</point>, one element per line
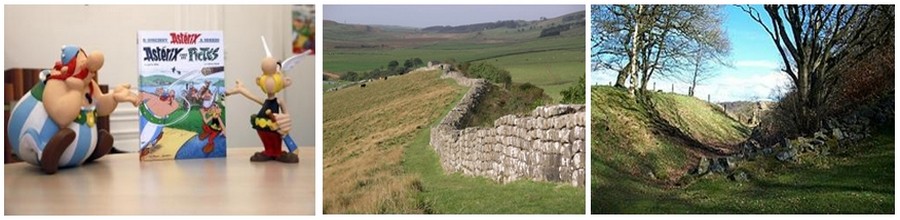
<point>764,64</point>
<point>743,86</point>
<point>725,87</point>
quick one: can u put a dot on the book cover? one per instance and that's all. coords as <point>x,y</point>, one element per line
<point>182,90</point>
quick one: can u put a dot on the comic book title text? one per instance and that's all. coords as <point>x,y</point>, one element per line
<point>164,54</point>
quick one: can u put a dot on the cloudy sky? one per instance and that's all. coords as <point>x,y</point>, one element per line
<point>755,73</point>
<point>421,16</point>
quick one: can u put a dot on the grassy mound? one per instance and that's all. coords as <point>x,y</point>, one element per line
<point>626,139</point>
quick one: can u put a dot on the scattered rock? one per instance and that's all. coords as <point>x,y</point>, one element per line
<point>836,133</point>
<point>785,156</point>
<point>769,150</point>
<point>786,143</point>
<point>716,167</point>
<point>816,142</point>
<point>727,162</point>
<point>739,176</point>
<point>820,135</point>
<point>702,167</point>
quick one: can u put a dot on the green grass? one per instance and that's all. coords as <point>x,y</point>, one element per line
<point>457,194</point>
<point>860,182</point>
<point>701,120</point>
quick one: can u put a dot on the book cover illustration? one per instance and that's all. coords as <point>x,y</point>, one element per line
<point>182,91</point>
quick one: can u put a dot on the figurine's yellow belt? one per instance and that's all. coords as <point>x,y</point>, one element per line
<point>88,116</point>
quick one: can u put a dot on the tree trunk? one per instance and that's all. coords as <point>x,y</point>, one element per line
<point>635,43</point>
<point>622,77</point>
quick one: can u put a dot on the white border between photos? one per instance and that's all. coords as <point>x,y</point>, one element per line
<point>319,110</point>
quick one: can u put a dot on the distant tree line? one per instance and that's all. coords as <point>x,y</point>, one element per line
<point>393,68</point>
<point>475,27</point>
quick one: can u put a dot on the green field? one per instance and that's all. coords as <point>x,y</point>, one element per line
<point>553,71</point>
<point>551,63</point>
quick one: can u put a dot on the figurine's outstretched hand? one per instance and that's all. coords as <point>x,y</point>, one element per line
<point>238,88</point>
<point>283,120</point>
<point>123,93</point>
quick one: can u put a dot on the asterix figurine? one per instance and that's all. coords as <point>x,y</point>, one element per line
<point>272,122</point>
<point>54,125</point>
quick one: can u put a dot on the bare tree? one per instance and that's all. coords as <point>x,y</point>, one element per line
<point>701,73</point>
<point>703,61</point>
<point>641,41</point>
<point>815,39</point>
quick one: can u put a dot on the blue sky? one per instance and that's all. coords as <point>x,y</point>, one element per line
<point>756,63</point>
<point>421,16</point>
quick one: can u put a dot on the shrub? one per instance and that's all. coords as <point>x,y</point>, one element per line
<point>489,72</point>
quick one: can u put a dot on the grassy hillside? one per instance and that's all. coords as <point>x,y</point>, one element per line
<point>626,139</point>
<point>365,131</point>
<point>628,146</point>
<point>377,158</point>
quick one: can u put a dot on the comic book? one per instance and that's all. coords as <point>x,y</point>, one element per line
<point>182,92</point>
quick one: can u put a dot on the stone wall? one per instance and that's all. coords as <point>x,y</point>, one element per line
<point>546,145</point>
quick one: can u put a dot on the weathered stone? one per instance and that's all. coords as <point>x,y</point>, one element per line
<point>546,145</point>
<point>702,167</point>
<point>837,134</point>
<point>820,135</point>
<point>729,163</point>
<point>786,143</point>
<point>769,150</point>
<point>816,142</point>
<point>578,160</point>
<point>716,167</point>
<point>739,176</point>
<point>787,155</point>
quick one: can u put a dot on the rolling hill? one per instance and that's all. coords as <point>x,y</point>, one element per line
<point>553,62</point>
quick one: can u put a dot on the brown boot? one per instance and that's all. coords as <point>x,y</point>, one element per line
<point>286,157</point>
<point>208,148</point>
<point>259,157</point>
<point>55,148</point>
<point>104,146</point>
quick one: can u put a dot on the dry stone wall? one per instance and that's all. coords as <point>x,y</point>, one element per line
<point>546,145</point>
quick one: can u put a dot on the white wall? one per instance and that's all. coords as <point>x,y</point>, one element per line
<point>34,34</point>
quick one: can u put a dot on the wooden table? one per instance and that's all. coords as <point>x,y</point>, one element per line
<point>121,184</point>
